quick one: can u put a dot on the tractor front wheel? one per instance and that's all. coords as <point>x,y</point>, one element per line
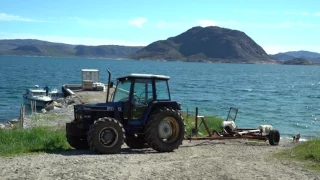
<point>165,130</point>
<point>106,136</point>
<point>78,142</point>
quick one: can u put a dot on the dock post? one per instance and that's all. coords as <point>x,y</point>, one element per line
<point>21,118</point>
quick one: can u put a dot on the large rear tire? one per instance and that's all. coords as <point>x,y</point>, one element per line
<point>274,137</point>
<point>165,130</point>
<point>136,142</point>
<point>106,136</point>
<point>78,142</point>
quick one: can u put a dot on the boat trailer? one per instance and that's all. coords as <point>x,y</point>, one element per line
<point>231,131</point>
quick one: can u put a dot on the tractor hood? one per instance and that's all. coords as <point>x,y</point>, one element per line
<point>110,106</point>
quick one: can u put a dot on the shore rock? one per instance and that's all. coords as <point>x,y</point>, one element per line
<point>43,111</point>
<point>9,125</point>
<point>14,121</point>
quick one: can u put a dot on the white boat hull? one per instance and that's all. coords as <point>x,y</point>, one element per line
<point>40,97</point>
<point>38,103</point>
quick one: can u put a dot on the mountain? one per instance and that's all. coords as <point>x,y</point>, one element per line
<point>31,47</point>
<point>282,57</point>
<point>306,54</point>
<point>298,61</point>
<point>209,44</point>
<point>112,51</point>
<point>312,56</point>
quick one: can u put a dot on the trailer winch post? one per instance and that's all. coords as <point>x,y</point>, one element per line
<point>196,120</point>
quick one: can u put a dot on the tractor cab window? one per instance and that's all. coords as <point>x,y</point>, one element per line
<point>162,90</point>
<point>142,91</point>
<point>142,96</point>
<point>122,91</point>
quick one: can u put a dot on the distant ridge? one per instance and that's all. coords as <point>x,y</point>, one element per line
<point>298,61</point>
<point>34,47</point>
<point>290,55</point>
<point>209,44</point>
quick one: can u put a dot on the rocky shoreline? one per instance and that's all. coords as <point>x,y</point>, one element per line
<point>62,109</point>
<point>59,112</point>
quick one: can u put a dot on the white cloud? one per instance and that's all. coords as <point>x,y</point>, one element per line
<point>205,23</point>
<point>138,22</point>
<point>72,40</point>
<point>304,13</point>
<point>317,14</point>
<point>290,13</point>
<point>161,24</point>
<point>9,17</point>
<point>299,13</point>
<point>299,24</point>
<point>98,23</point>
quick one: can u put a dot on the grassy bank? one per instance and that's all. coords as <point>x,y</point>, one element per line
<point>308,151</point>
<point>46,139</point>
<point>214,123</point>
<point>38,139</point>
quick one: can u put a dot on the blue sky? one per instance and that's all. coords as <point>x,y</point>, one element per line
<point>277,26</point>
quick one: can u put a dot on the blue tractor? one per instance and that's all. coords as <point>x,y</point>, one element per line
<point>140,114</point>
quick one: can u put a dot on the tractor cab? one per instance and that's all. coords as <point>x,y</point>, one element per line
<point>139,92</point>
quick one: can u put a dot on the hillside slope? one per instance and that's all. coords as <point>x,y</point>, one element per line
<point>209,44</point>
<point>31,47</point>
<point>312,56</point>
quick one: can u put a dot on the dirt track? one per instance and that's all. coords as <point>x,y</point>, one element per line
<point>196,160</point>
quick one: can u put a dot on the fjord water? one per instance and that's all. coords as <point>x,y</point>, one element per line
<point>287,97</point>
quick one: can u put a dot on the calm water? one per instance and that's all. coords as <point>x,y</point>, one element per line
<point>287,97</point>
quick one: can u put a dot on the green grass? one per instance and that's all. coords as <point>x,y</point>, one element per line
<point>47,139</point>
<point>308,151</point>
<point>213,122</point>
<point>38,139</point>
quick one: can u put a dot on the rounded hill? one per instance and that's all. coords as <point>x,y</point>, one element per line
<point>209,44</point>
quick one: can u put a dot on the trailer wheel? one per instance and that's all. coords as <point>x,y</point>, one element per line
<point>274,137</point>
<point>136,142</point>
<point>165,130</point>
<point>106,136</point>
<point>78,142</point>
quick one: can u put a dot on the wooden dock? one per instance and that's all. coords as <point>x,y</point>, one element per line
<point>88,96</point>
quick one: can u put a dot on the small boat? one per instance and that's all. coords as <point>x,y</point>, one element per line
<point>38,96</point>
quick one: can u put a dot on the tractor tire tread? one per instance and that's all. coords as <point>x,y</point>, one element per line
<point>91,135</point>
<point>151,133</point>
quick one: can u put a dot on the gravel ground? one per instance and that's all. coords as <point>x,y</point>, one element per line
<point>232,159</point>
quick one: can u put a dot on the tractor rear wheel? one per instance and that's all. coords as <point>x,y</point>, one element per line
<point>274,137</point>
<point>136,142</point>
<point>78,142</point>
<point>106,136</point>
<point>165,130</point>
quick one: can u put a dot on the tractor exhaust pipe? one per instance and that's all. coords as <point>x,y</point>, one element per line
<point>109,82</point>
